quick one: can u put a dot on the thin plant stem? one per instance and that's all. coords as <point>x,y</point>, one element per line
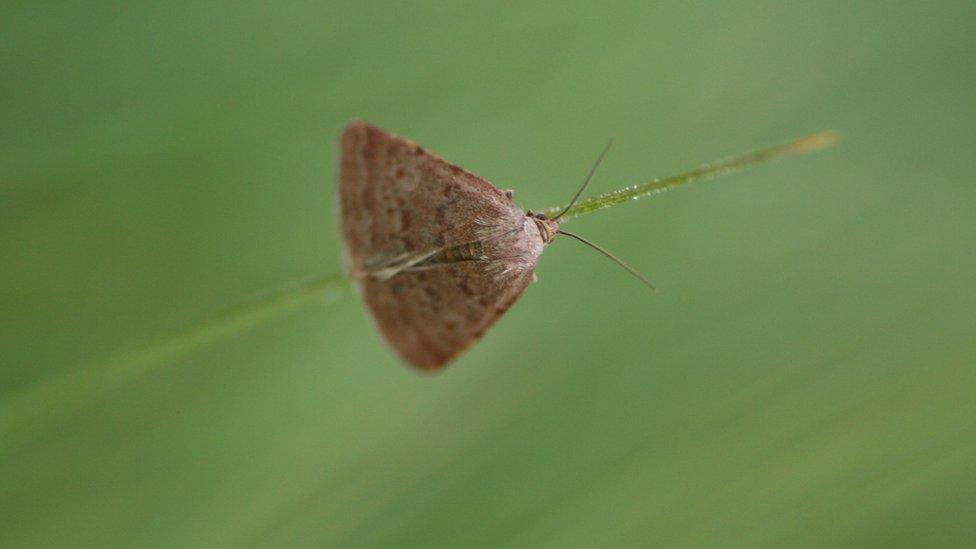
<point>803,145</point>
<point>29,410</point>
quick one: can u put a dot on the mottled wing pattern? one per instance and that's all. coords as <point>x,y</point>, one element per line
<point>400,206</point>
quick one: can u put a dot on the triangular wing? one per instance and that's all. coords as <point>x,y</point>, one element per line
<point>438,253</point>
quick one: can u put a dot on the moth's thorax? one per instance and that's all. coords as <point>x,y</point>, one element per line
<point>547,227</point>
<point>518,249</point>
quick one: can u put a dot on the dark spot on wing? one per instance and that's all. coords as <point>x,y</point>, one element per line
<point>465,287</point>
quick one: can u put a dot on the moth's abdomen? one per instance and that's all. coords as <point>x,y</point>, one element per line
<point>469,251</point>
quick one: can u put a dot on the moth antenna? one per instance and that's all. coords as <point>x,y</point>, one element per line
<point>586,181</point>
<point>612,257</point>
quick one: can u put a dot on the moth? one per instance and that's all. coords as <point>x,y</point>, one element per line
<point>438,253</point>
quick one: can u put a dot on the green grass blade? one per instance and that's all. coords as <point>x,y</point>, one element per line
<point>36,407</point>
<point>803,145</point>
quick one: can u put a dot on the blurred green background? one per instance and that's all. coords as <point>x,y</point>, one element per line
<point>804,377</point>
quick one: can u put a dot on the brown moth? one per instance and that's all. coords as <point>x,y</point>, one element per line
<point>437,252</point>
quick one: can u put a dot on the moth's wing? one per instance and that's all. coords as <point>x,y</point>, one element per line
<point>432,315</point>
<point>399,202</point>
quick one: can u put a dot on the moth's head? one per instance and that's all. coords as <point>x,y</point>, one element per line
<point>547,227</point>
